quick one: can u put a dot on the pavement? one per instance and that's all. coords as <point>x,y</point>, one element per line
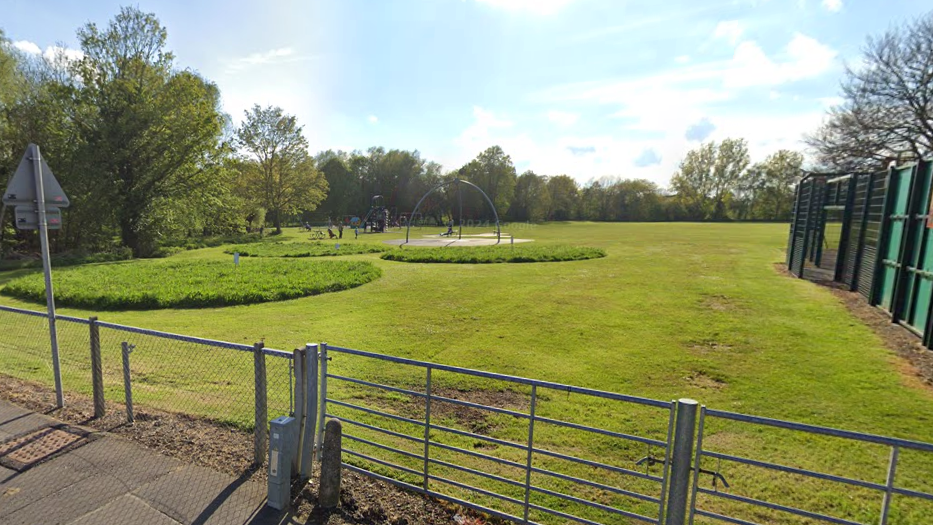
<point>113,480</point>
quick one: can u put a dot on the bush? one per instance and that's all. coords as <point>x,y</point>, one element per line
<point>305,249</point>
<point>145,285</point>
<point>70,259</point>
<point>521,253</point>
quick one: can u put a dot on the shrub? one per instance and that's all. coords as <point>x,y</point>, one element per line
<point>305,249</point>
<point>521,253</point>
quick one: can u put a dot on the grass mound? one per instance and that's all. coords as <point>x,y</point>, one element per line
<point>147,285</point>
<point>305,249</point>
<point>522,253</point>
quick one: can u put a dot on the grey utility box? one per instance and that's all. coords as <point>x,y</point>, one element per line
<point>283,445</point>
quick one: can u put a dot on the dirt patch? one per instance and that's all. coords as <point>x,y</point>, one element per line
<point>917,361</point>
<point>364,501</point>
<point>701,379</point>
<point>709,347</point>
<point>718,303</point>
<point>475,420</point>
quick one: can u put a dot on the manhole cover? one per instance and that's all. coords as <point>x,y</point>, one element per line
<point>26,450</point>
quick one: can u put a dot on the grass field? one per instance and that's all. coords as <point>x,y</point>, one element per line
<point>674,310</point>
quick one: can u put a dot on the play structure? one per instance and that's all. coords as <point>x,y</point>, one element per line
<point>447,238</point>
<point>377,218</point>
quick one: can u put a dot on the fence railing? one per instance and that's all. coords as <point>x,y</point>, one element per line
<point>520,449</point>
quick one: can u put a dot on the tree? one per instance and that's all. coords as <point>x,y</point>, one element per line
<point>531,201</point>
<point>493,171</point>
<point>151,133</point>
<point>766,191</point>
<point>708,176</point>
<point>887,113</point>
<point>564,195</point>
<point>278,167</point>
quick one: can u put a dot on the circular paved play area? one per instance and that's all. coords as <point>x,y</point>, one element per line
<point>437,240</point>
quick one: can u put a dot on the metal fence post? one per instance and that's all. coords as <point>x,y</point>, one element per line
<point>261,433</point>
<point>427,425</point>
<point>680,462</point>
<point>127,384</point>
<point>322,400</point>
<point>307,438</point>
<point>531,442</point>
<point>298,365</point>
<point>97,370</point>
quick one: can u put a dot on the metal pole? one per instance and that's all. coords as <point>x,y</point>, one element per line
<point>696,465</point>
<point>298,363</point>
<point>322,398</point>
<point>460,198</point>
<point>47,269</point>
<point>261,432</point>
<point>531,442</point>
<point>427,425</point>
<point>889,486</point>
<point>127,384</point>
<point>680,462</point>
<point>97,369</point>
<point>311,405</point>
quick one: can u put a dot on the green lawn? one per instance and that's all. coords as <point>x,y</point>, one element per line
<point>674,310</point>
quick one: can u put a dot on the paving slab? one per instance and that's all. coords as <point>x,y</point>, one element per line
<point>126,461</point>
<point>195,494</point>
<point>71,502</point>
<point>24,423</point>
<point>125,509</point>
<point>24,488</point>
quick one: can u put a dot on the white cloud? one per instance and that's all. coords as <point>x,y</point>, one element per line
<point>541,7</point>
<point>682,59</point>
<point>563,118</point>
<point>373,119</point>
<point>27,47</point>
<point>730,30</point>
<point>833,6</point>
<point>56,54</point>
<point>803,57</point>
<point>478,135</point>
<point>281,55</point>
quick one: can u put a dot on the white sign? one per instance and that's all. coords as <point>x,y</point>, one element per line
<point>22,187</point>
<point>236,259</point>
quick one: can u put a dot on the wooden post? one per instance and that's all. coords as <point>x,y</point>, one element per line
<point>261,435</point>
<point>97,370</point>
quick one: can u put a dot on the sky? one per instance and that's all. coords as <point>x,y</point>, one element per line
<point>586,88</point>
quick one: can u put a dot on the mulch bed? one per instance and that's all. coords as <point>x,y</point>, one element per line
<point>363,500</point>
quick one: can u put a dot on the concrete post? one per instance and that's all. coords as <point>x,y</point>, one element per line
<point>298,364</point>
<point>97,370</point>
<point>329,491</point>
<point>311,406</point>
<point>261,436</point>
<point>684,434</point>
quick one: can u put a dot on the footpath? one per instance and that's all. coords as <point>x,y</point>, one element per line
<point>52,473</point>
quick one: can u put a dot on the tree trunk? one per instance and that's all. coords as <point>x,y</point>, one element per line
<point>277,221</point>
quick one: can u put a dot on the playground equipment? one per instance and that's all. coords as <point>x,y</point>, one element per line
<point>459,183</point>
<point>377,218</point>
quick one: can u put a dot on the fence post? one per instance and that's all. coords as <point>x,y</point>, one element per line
<point>298,364</point>
<point>307,437</point>
<point>261,435</point>
<point>322,399</point>
<point>127,384</point>
<point>427,425</point>
<point>531,447</point>
<point>97,369</point>
<point>680,462</point>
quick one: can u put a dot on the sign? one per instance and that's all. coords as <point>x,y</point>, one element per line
<point>27,217</point>
<point>22,187</point>
<point>236,258</point>
<point>337,246</point>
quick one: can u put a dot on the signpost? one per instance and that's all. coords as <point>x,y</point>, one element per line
<point>37,198</point>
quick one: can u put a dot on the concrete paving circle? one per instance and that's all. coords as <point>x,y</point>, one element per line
<point>441,241</point>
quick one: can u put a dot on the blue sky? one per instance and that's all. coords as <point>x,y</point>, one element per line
<point>588,88</point>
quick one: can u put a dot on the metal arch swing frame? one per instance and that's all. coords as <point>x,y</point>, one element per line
<point>460,195</point>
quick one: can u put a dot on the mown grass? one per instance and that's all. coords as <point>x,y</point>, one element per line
<point>673,310</point>
<point>522,253</point>
<point>145,285</point>
<point>305,249</point>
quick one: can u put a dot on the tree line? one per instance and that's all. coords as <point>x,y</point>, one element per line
<point>148,156</point>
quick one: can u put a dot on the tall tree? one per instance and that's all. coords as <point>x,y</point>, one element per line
<point>887,112</point>
<point>531,201</point>
<point>766,191</point>
<point>708,176</point>
<point>564,195</point>
<point>279,167</point>
<point>152,131</point>
<point>493,171</point>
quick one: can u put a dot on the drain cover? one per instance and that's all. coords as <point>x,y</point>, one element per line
<point>26,450</point>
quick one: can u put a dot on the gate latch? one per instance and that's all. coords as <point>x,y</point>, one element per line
<point>716,476</point>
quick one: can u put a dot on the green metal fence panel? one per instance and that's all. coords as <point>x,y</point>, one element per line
<point>919,289</point>
<point>893,236</point>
